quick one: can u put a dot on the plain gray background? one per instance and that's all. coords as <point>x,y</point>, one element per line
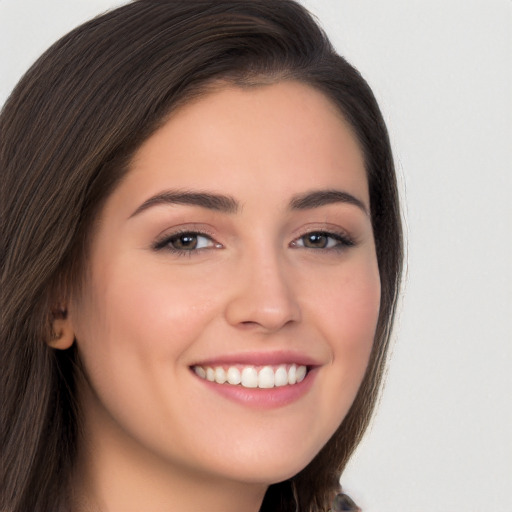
<point>441,69</point>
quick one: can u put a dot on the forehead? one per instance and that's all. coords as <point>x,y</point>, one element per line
<point>281,138</point>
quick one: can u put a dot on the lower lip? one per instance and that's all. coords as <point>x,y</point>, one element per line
<point>270,398</point>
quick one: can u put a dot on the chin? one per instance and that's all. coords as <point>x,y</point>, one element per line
<point>265,468</point>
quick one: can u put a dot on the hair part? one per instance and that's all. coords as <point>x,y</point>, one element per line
<point>69,131</point>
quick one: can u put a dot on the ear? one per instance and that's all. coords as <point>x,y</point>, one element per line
<point>62,333</point>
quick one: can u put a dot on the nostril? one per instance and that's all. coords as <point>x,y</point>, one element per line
<point>263,301</point>
<point>251,314</point>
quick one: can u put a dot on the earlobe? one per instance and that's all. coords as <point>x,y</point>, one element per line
<point>62,333</point>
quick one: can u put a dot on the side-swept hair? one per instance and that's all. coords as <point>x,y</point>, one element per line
<point>68,132</point>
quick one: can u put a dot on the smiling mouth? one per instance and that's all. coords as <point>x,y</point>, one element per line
<point>248,376</point>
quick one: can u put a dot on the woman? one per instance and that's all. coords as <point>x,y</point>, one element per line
<point>202,252</point>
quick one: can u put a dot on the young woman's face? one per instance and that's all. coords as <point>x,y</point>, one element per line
<point>239,246</point>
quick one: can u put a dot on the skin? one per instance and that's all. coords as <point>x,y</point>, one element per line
<point>156,437</point>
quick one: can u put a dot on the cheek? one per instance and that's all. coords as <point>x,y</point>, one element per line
<point>135,331</point>
<point>348,305</point>
<point>151,307</point>
<point>132,330</point>
<point>170,309</point>
<point>347,316</point>
<point>355,322</point>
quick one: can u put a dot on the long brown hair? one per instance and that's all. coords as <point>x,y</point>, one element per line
<point>68,132</point>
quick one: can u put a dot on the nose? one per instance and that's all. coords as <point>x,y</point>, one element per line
<point>263,296</point>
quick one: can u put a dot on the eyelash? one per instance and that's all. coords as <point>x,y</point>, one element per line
<point>342,242</point>
<point>165,242</point>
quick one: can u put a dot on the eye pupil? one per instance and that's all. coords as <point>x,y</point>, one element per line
<point>185,241</point>
<point>316,240</point>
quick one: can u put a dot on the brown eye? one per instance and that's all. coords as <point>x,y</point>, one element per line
<point>184,242</point>
<point>316,240</point>
<point>323,240</point>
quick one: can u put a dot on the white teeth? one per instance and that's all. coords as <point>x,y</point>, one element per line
<point>301,373</point>
<point>249,377</point>
<point>292,374</point>
<point>281,377</point>
<point>266,378</point>
<point>200,371</point>
<point>234,376</point>
<point>220,375</point>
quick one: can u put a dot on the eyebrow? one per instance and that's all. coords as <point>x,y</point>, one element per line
<point>318,198</point>
<point>217,202</point>
<point>227,204</point>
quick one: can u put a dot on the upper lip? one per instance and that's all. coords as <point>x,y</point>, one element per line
<point>260,359</point>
